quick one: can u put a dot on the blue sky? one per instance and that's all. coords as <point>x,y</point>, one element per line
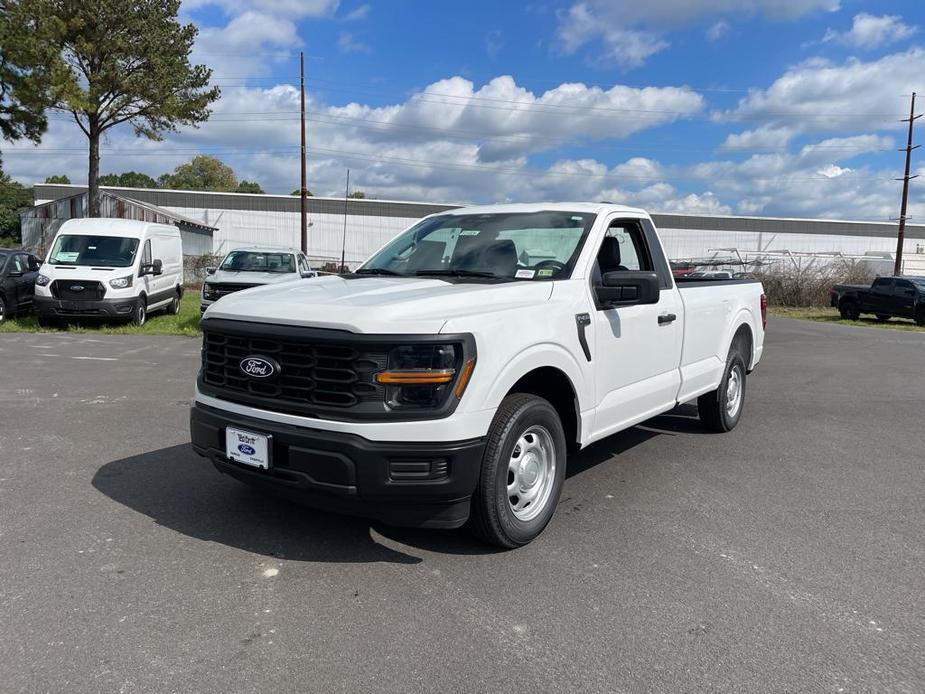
<point>767,107</point>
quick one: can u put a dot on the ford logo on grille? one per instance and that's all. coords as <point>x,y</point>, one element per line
<point>246,450</point>
<point>77,287</point>
<point>259,367</point>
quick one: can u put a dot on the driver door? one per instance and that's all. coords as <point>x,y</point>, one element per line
<point>638,347</point>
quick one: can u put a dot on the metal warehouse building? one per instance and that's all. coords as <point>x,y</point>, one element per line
<point>217,222</point>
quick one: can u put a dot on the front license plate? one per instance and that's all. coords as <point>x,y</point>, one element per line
<point>247,447</point>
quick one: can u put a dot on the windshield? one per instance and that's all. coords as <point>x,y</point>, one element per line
<point>917,281</point>
<point>524,246</point>
<point>104,251</point>
<point>255,261</point>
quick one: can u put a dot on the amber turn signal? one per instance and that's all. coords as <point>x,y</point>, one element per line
<point>464,378</point>
<point>416,378</point>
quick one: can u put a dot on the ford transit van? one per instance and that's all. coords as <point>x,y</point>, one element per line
<point>113,269</point>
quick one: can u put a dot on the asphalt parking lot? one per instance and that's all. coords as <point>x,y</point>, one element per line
<point>788,555</point>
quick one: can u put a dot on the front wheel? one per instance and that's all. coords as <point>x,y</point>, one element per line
<point>140,312</point>
<point>523,470</point>
<point>883,318</point>
<point>3,309</point>
<point>920,316</point>
<point>721,409</point>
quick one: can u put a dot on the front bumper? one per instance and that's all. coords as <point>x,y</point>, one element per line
<point>419,484</point>
<point>48,306</point>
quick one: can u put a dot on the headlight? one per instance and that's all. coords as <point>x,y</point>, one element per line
<point>121,282</point>
<point>423,375</point>
<point>207,292</point>
<point>42,280</point>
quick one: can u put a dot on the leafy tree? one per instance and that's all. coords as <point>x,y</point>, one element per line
<point>129,179</point>
<point>249,187</point>
<point>202,173</point>
<point>13,198</point>
<point>358,194</point>
<point>60,178</point>
<point>120,61</point>
<point>297,192</point>
<point>24,75</point>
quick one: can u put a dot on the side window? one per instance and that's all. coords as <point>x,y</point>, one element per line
<point>146,257</point>
<point>33,263</point>
<point>904,285</point>
<point>882,284</point>
<point>623,250</point>
<point>19,263</point>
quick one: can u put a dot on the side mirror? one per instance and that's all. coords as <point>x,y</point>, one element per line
<point>622,288</point>
<point>158,267</point>
<point>309,273</point>
<point>211,270</point>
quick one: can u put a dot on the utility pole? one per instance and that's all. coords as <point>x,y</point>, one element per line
<point>897,269</point>
<point>303,190</point>
<point>343,246</point>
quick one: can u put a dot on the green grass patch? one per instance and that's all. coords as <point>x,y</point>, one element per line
<point>185,323</point>
<point>830,315</point>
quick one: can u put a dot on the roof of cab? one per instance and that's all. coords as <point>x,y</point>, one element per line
<point>266,249</point>
<point>577,207</point>
<point>110,226</point>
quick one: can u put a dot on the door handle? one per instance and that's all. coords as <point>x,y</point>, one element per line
<point>667,318</point>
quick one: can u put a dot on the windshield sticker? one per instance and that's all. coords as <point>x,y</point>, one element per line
<point>525,274</point>
<point>545,272</point>
<point>67,256</point>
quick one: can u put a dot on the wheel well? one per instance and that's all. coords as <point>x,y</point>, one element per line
<point>553,385</point>
<point>743,336</point>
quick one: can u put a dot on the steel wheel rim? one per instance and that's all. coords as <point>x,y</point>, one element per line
<point>2,311</point>
<point>531,473</point>
<point>734,391</point>
<point>142,315</point>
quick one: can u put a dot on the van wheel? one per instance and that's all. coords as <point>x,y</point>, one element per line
<point>174,307</point>
<point>850,310</point>
<point>883,318</point>
<point>523,470</point>
<point>140,312</point>
<point>721,409</point>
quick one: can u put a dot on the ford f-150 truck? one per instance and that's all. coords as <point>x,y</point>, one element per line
<point>886,297</point>
<point>449,377</point>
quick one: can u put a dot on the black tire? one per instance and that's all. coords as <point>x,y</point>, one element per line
<point>714,407</point>
<point>849,310</point>
<point>492,517</point>
<point>173,308</point>
<point>4,310</point>
<point>48,322</point>
<point>140,312</point>
<point>883,318</point>
<point>920,316</point>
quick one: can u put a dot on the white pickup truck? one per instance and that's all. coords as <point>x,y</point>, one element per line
<point>448,378</point>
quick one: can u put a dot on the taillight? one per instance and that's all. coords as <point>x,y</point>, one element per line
<point>764,311</point>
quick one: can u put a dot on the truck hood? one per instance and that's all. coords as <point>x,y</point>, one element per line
<point>83,272</point>
<point>238,277</point>
<point>376,304</point>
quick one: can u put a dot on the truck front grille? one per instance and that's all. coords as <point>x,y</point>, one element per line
<point>311,373</point>
<point>217,290</point>
<point>78,290</point>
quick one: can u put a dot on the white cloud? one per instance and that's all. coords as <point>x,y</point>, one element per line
<point>361,12</point>
<point>820,96</point>
<point>764,137</point>
<point>868,31</point>
<point>630,32</point>
<point>251,37</point>
<point>284,8</point>
<point>717,30</point>
<point>347,43</point>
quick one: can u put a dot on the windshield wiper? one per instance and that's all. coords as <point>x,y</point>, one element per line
<point>458,273</point>
<point>377,271</point>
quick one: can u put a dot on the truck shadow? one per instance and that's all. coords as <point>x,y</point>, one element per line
<point>183,492</point>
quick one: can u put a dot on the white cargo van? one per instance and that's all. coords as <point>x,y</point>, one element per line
<point>116,269</point>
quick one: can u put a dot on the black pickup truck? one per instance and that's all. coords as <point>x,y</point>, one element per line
<point>887,297</point>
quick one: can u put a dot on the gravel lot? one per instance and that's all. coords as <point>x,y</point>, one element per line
<point>788,555</point>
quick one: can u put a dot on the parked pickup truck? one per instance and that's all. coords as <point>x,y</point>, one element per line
<point>902,297</point>
<point>450,376</point>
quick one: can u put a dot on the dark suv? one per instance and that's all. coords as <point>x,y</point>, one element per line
<point>18,270</point>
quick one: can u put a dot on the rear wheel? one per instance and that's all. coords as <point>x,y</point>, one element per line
<point>140,312</point>
<point>49,322</point>
<point>523,470</point>
<point>850,310</point>
<point>883,318</point>
<point>721,409</point>
<point>173,308</point>
<point>920,316</point>
<point>3,309</point>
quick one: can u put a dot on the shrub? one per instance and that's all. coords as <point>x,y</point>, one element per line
<point>807,284</point>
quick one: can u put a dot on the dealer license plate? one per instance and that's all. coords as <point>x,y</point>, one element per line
<point>247,447</point>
